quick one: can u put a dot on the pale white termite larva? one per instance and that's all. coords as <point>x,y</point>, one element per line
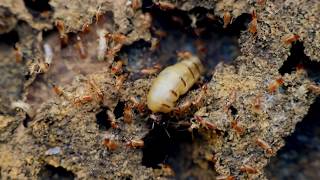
<point>102,44</point>
<point>173,82</point>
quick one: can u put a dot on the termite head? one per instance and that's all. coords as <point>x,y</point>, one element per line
<point>165,5</point>
<point>117,67</point>
<point>235,125</point>
<point>135,143</point>
<point>128,114</point>
<point>253,24</point>
<point>86,28</point>
<point>264,145</point>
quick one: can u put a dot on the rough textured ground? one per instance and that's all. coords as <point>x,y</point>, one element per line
<point>69,117</point>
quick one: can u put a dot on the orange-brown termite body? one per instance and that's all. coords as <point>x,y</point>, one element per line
<point>114,50</point>
<point>83,100</point>
<point>225,177</point>
<point>237,127</point>
<point>226,19</point>
<point>110,144</point>
<point>57,90</point>
<point>274,86</point>
<point>314,89</point>
<point>119,38</point>
<point>135,143</point>
<point>18,53</point>
<point>63,36</point>
<point>248,169</point>
<point>183,108</point>
<point>165,5</point>
<point>253,24</point>
<point>264,145</point>
<point>128,114</point>
<point>289,39</point>
<point>198,102</point>
<point>136,4</point>
<point>137,104</point>
<point>117,68</point>
<point>96,89</point>
<point>204,123</point>
<point>80,47</point>
<point>151,70</point>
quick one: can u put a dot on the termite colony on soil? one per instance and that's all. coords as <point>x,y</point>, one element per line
<point>171,82</point>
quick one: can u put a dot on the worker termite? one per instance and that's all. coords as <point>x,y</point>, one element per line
<point>248,169</point>
<point>112,119</point>
<point>253,24</point>
<point>183,108</point>
<point>137,104</point>
<point>274,86</point>
<point>112,52</point>
<point>81,49</point>
<point>151,70</point>
<point>226,19</point>
<point>117,67</point>
<point>204,123</point>
<point>57,90</point>
<point>314,89</point>
<point>63,36</point>
<point>82,100</point>
<point>96,89</point>
<point>236,126</point>
<point>110,143</point>
<point>198,102</point>
<point>225,177</point>
<point>289,39</point>
<point>18,53</point>
<point>173,82</point>
<point>264,145</point>
<point>128,114</point>
<point>165,5</point>
<point>86,28</point>
<point>136,4</point>
<point>135,143</point>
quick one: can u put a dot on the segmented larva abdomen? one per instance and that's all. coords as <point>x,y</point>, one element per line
<point>173,82</point>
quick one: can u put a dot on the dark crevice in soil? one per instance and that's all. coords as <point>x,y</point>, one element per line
<point>10,38</point>
<point>118,110</point>
<point>49,172</point>
<point>301,148</point>
<point>36,7</point>
<point>102,119</point>
<point>299,60</point>
<point>192,31</point>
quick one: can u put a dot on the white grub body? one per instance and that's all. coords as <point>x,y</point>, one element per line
<point>173,82</point>
<point>102,46</point>
<point>48,53</point>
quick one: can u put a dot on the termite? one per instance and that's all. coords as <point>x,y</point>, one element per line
<point>86,28</point>
<point>226,19</point>
<point>119,38</point>
<point>264,145</point>
<point>274,86</point>
<point>289,39</point>
<point>83,99</point>
<point>63,36</point>
<point>253,24</point>
<point>113,51</point>
<point>199,100</point>
<point>128,114</point>
<point>18,53</point>
<point>57,90</point>
<point>135,143</point>
<point>165,5</point>
<point>151,70</point>
<point>173,82</point>
<point>183,108</point>
<point>112,119</point>
<point>206,124</point>
<point>137,104</point>
<point>136,4</point>
<point>117,68</point>
<point>225,177</point>
<point>96,89</point>
<point>236,126</point>
<point>160,33</point>
<point>110,144</point>
<point>248,169</point>
<point>79,46</point>
<point>314,89</point>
